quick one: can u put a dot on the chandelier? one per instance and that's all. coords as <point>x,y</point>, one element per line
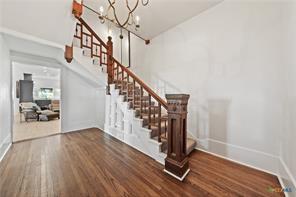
<point>130,20</point>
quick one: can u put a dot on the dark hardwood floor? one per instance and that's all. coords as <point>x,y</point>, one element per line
<point>91,163</point>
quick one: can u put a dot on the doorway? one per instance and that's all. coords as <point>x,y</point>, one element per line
<point>36,93</point>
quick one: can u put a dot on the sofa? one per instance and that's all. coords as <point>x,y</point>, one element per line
<point>32,111</point>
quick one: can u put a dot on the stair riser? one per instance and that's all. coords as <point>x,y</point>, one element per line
<point>146,122</point>
<point>145,111</point>
<point>154,133</point>
<point>164,146</point>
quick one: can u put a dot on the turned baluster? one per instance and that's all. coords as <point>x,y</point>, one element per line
<point>122,75</point>
<point>117,74</point>
<point>122,82</point>
<point>149,111</point>
<point>76,30</point>
<point>159,122</point>
<point>91,46</point>
<point>127,86</point>
<point>81,36</point>
<point>86,40</point>
<point>141,102</point>
<point>101,55</point>
<point>134,93</point>
<point>154,116</point>
<point>113,70</point>
<point>165,128</point>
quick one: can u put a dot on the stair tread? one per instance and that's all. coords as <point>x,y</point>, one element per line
<point>154,126</point>
<point>131,90</point>
<point>145,116</point>
<point>190,144</point>
<point>122,84</point>
<point>152,106</point>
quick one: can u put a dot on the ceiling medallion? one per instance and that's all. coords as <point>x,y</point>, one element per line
<point>130,20</point>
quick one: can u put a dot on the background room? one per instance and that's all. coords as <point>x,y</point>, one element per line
<point>36,101</point>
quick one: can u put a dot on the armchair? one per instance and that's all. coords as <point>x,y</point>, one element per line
<point>55,106</point>
<point>29,110</point>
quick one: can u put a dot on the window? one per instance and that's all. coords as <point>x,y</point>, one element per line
<point>45,93</point>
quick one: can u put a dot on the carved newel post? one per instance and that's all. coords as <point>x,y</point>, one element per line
<point>109,63</point>
<point>110,60</point>
<point>176,162</point>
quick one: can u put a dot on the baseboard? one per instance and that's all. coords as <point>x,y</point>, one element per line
<point>176,177</point>
<point>6,150</point>
<point>143,150</point>
<point>286,178</point>
<point>7,141</point>
<point>79,126</point>
<point>252,158</point>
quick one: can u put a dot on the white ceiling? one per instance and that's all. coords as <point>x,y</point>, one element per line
<point>38,72</point>
<point>51,20</point>
<point>159,15</point>
<point>45,18</point>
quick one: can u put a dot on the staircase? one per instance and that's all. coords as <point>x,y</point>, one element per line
<point>147,105</point>
<point>126,89</point>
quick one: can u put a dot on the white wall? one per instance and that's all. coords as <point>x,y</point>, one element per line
<point>82,104</point>
<point>228,59</point>
<point>5,97</point>
<point>288,134</point>
<point>100,98</point>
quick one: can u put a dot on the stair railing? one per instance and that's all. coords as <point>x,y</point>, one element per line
<point>117,72</point>
<point>176,162</point>
<point>90,40</point>
<point>127,80</point>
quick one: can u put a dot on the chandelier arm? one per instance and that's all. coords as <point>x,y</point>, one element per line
<point>135,7</point>
<point>111,4</point>
<point>144,4</point>
<point>115,16</point>
<point>133,20</point>
<point>147,41</point>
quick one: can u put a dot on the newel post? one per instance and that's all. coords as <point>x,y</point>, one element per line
<point>110,60</point>
<point>176,162</point>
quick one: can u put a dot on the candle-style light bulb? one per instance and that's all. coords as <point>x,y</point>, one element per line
<point>101,10</point>
<point>110,32</point>
<point>101,16</point>
<point>137,20</point>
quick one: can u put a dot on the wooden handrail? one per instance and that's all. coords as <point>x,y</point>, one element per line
<point>121,76</point>
<point>92,32</point>
<point>141,83</point>
<point>174,133</point>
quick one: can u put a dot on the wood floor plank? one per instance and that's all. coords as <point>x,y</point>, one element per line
<point>91,163</point>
